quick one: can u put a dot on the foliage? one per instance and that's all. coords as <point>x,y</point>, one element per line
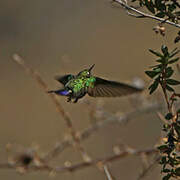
<point>165,10</point>
<point>168,9</point>
<point>161,74</point>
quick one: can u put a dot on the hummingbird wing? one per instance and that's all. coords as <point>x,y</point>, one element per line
<point>105,88</point>
<point>64,79</point>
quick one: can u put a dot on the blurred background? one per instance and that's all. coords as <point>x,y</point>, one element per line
<point>60,36</point>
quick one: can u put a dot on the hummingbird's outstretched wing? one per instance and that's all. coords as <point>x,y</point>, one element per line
<point>64,79</point>
<point>105,88</point>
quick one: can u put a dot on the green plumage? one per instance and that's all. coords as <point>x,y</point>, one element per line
<point>77,86</point>
<point>79,83</point>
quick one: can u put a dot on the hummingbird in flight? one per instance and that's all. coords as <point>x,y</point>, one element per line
<point>77,86</point>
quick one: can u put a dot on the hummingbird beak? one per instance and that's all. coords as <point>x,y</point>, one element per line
<point>91,67</point>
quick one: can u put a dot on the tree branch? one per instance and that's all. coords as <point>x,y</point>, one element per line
<point>141,14</point>
<point>109,119</point>
<point>35,75</point>
<point>81,165</point>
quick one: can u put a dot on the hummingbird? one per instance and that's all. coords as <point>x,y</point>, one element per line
<point>77,86</point>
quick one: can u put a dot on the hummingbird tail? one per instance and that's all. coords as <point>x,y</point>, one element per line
<point>61,92</point>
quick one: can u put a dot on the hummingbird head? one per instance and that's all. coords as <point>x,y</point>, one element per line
<point>86,72</point>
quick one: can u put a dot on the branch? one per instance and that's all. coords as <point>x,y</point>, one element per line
<point>141,14</point>
<point>149,167</point>
<point>81,165</point>
<point>107,173</point>
<point>35,75</point>
<point>109,119</point>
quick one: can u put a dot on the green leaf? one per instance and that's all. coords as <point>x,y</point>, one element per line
<point>151,74</point>
<point>158,4</point>
<point>171,15</point>
<point>169,88</point>
<point>177,39</point>
<point>166,170</point>
<point>150,6</point>
<point>164,49</point>
<point>177,128</point>
<point>162,60</point>
<point>163,148</point>
<point>156,53</point>
<point>172,161</point>
<point>173,60</point>
<point>163,160</point>
<point>167,177</point>
<point>160,14</point>
<point>174,52</point>
<point>153,86</point>
<point>172,82</point>
<point>157,69</point>
<point>171,7</point>
<point>175,49</point>
<point>177,171</point>
<point>169,72</point>
<point>168,116</point>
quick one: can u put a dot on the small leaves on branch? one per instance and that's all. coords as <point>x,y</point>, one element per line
<point>164,11</point>
<point>168,9</point>
<point>177,39</point>
<point>162,72</point>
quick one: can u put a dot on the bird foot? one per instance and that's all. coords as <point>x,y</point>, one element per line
<point>76,100</point>
<point>69,99</point>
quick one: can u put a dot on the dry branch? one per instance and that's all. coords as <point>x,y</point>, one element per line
<point>140,14</point>
<point>149,167</point>
<point>59,107</point>
<point>109,119</point>
<point>107,173</point>
<point>42,163</point>
<point>81,165</point>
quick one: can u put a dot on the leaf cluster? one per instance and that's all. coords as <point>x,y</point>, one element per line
<point>170,158</point>
<point>177,39</point>
<point>162,72</point>
<point>168,9</point>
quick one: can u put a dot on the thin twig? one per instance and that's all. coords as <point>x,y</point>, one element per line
<point>151,165</point>
<point>107,173</point>
<point>144,15</point>
<point>109,119</point>
<point>81,165</point>
<point>59,107</point>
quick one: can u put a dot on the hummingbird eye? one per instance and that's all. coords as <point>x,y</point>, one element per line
<point>88,73</point>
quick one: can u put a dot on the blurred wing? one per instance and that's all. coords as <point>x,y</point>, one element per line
<point>64,79</point>
<point>105,88</point>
